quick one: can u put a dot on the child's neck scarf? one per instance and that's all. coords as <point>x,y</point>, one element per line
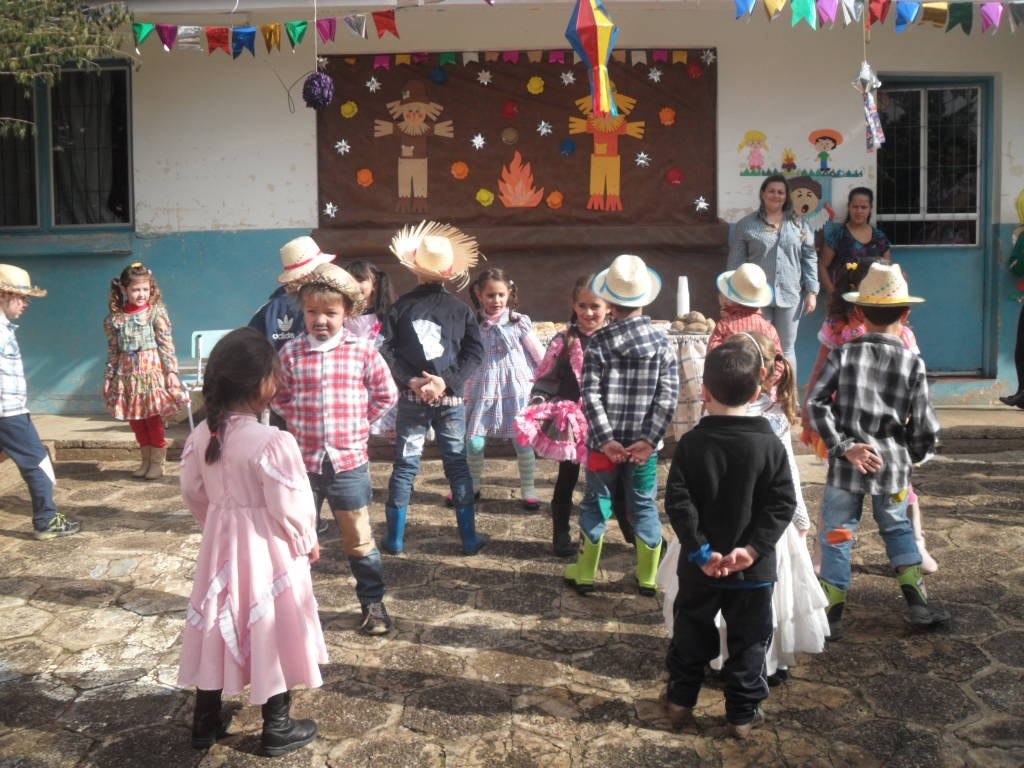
<point>326,345</point>
<point>496,318</point>
<point>134,309</point>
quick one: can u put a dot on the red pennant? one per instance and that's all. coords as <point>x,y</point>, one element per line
<point>218,37</point>
<point>878,10</point>
<point>385,21</point>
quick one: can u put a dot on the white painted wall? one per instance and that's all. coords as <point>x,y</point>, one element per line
<point>216,147</point>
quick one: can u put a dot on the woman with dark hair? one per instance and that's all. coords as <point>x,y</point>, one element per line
<point>855,243</point>
<point>782,244</point>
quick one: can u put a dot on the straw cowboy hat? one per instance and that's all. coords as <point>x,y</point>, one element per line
<point>300,257</point>
<point>436,251</point>
<point>628,282</point>
<point>746,285</point>
<point>16,280</point>
<point>337,279</point>
<point>882,286</point>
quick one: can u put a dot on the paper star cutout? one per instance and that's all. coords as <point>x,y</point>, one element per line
<point>708,57</point>
<point>478,141</point>
<point>544,128</point>
<point>484,77</point>
<point>330,210</point>
<point>701,204</point>
<point>373,84</point>
<point>654,75</point>
<point>342,147</point>
<point>642,160</point>
<point>568,78</point>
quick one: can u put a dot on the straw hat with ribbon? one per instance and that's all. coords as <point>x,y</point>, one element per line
<point>438,252</point>
<point>301,256</point>
<point>16,280</point>
<point>746,285</point>
<point>337,279</point>
<point>628,282</point>
<point>883,286</point>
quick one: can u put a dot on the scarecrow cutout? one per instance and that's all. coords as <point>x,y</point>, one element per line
<point>415,118</point>
<point>605,162</point>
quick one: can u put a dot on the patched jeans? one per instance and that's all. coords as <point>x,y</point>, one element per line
<point>841,513</point>
<point>640,486</point>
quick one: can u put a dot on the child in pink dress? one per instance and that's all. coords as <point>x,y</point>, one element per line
<point>252,619</point>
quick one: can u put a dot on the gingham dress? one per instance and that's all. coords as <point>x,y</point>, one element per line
<point>500,387</point>
<point>140,354</point>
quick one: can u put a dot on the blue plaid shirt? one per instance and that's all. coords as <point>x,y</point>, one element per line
<point>13,390</point>
<point>786,255</point>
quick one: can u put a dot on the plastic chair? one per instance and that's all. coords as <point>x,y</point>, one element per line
<point>203,343</point>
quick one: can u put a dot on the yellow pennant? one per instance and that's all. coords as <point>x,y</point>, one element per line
<point>774,8</point>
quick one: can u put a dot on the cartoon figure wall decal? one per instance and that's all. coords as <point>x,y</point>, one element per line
<point>415,118</point>
<point>806,196</point>
<point>825,140</point>
<point>605,162</point>
<point>516,185</point>
<point>757,143</point>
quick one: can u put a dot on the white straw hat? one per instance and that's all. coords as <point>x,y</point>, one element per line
<point>301,256</point>
<point>436,251</point>
<point>883,286</point>
<point>16,280</point>
<point>336,279</point>
<point>628,282</point>
<point>746,285</point>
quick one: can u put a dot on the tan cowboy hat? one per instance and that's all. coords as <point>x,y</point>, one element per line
<point>337,279</point>
<point>16,280</point>
<point>437,252</point>
<point>628,282</point>
<point>746,285</point>
<point>883,286</point>
<point>300,257</point>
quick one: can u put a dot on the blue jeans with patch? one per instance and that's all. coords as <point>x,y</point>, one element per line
<point>843,509</point>
<point>640,487</point>
<point>20,441</point>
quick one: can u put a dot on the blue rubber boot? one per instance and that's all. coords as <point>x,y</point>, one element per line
<point>393,542</point>
<point>472,542</point>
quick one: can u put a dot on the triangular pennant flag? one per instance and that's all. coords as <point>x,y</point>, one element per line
<point>744,8</point>
<point>619,56</point>
<point>853,10</point>
<point>991,15</point>
<point>638,57</point>
<point>218,37</point>
<point>534,57</point>
<point>142,29</point>
<point>382,61</point>
<point>190,38</point>
<point>296,31</point>
<point>327,28</point>
<point>906,12</point>
<point>827,11</point>
<point>470,57</point>
<point>403,58</point>
<point>804,10</point>
<point>680,57</point>
<point>271,36</point>
<point>243,39</point>
<point>878,10</point>
<point>1016,15</point>
<point>510,57</point>
<point>167,33</point>
<point>385,22</point>
<point>356,23</point>
<point>934,14</point>
<point>773,8</point>
<point>556,57</point>
<point>960,15</point>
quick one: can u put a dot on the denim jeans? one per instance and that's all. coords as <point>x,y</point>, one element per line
<point>786,321</point>
<point>413,421</point>
<point>640,486</point>
<point>20,441</point>
<point>843,509</point>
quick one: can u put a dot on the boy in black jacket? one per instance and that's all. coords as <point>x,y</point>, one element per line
<point>729,497</point>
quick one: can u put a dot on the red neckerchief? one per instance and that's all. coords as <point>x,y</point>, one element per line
<point>134,309</point>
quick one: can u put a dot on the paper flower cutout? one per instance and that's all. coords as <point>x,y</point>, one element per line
<point>667,116</point>
<point>535,85</point>
<point>568,78</point>
<point>364,177</point>
<point>484,77</point>
<point>349,110</point>
<point>654,75</point>
<point>330,210</point>
<point>708,57</point>
<point>701,204</point>
<point>485,197</point>
<point>694,70</point>
<point>642,160</point>
<point>439,75</point>
<point>460,170</point>
<point>510,136</point>
<point>510,109</point>
<point>478,141</point>
<point>674,176</point>
<point>555,200</point>
<point>342,147</point>
<point>318,90</point>
<point>567,147</point>
<point>373,84</point>
<point>544,128</point>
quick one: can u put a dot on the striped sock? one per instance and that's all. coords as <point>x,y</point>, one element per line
<point>526,461</point>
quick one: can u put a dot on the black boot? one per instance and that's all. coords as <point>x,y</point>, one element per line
<point>1016,399</point>
<point>561,540</point>
<point>281,734</point>
<point>207,725</point>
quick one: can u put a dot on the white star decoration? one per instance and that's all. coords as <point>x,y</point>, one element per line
<point>708,57</point>
<point>373,84</point>
<point>484,77</point>
<point>654,75</point>
<point>342,147</point>
<point>544,128</point>
<point>642,160</point>
<point>478,141</point>
<point>701,204</point>
<point>330,210</point>
<point>568,78</point>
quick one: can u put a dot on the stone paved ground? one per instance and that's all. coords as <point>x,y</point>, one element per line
<point>494,662</point>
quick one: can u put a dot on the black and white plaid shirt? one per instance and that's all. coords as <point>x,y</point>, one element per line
<point>630,383</point>
<point>873,390</point>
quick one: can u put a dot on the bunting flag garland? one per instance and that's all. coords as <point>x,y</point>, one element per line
<point>218,37</point>
<point>243,39</point>
<point>142,31</point>
<point>906,12</point>
<point>190,38</point>
<point>960,15</point>
<point>853,11</point>
<point>356,23</point>
<point>934,14</point>
<point>943,15</point>
<point>296,31</point>
<point>167,33</point>
<point>402,58</point>
<point>447,58</point>
<point>827,11</point>
<point>991,15</point>
<point>327,28</point>
<point>385,22</point>
<point>774,8</point>
<point>878,10</point>
<point>271,36</point>
<point>744,8</point>
<point>1016,15</point>
<point>804,10</point>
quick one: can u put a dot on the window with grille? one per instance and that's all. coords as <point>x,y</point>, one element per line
<point>929,169</point>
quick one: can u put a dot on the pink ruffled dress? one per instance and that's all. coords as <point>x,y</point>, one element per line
<point>252,618</point>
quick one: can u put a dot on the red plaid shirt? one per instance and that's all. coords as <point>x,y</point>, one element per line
<point>328,399</point>
<point>737,319</point>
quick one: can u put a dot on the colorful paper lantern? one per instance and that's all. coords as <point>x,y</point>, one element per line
<point>592,34</point>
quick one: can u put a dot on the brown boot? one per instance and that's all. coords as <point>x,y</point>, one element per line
<point>144,466</point>
<point>157,456</point>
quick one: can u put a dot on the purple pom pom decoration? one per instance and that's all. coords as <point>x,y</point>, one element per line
<point>318,90</point>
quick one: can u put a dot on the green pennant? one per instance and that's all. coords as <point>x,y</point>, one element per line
<point>296,31</point>
<point>804,10</point>
<point>960,15</point>
<point>448,58</point>
<point>143,29</point>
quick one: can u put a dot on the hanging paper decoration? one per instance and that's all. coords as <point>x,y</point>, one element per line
<point>385,22</point>
<point>934,14</point>
<point>659,55</point>
<point>420,58</point>
<point>190,38</point>
<point>356,23</point>
<point>296,31</point>
<point>510,57</point>
<point>680,57</point>
<point>744,8</point>
<point>327,28</point>
<point>556,57</point>
<point>446,58</point>
<point>637,57</point>
<point>773,8</point>
<point>991,14</point>
<point>402,58</point>
<point>868,85</point>
<point>218,37</point>
<point>804,10</point>
<point>960,15</point>
<point>592,34</point>
<point>905,14</point>
<point>142,31</point>
<point>853,11</point>
<point>470,57</point>
<point>271,36</point>
<point>1016,15</point>
<point>382,61</point>
<point>827,11</point>
<point>242,39</point>
<point>167,33</point>
<point>318,90</point>
<point>877,11</point>
<point>534,57</point>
